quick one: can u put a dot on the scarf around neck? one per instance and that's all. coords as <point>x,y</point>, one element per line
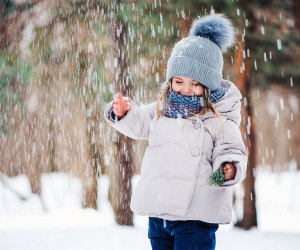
<point>181,106</point>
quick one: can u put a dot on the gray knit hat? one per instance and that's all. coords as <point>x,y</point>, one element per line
<point>199,56</point>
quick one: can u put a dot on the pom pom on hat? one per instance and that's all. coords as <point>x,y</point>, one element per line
<point>217,28</point>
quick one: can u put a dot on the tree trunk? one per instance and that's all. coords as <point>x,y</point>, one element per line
<point>296,4</point>
<point>91,185</point>
<point>249,219</point>
<point>33,172</point>
<point>120,188</point>
<point>90,182</point>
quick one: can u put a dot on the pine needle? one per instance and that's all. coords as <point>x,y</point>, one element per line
<point>217,178</point>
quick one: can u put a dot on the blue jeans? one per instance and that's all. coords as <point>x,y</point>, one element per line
<point>181,235</point>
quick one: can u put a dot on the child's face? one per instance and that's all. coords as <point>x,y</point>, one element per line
<point>186,86</point>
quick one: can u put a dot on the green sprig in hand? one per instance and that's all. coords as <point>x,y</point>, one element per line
<point>226,172</point>
<point>217,178</point>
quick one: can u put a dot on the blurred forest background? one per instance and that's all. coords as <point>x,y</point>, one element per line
<point>61,61</point>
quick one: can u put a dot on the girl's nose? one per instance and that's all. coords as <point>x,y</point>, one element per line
<point>187,90</point>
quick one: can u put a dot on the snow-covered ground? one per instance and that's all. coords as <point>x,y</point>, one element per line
<point>25,224</point>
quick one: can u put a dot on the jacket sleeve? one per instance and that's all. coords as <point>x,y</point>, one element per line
<point>229,147</point>
<point>135,124</point>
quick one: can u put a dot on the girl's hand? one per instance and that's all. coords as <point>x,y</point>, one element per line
<point>229,171</point>
<point>120,105</point>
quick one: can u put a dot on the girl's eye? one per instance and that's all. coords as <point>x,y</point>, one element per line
<point>196,84</point>
<point>178,82</point>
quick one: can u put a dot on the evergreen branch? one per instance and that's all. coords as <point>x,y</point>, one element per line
<point>217,178</point>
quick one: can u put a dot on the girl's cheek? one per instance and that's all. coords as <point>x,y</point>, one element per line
<point>200,91</point>
<point>175,88</point>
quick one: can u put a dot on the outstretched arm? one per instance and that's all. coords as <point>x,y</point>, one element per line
<point>128,118</point>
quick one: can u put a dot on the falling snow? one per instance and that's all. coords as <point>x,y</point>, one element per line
<point>61,62</point>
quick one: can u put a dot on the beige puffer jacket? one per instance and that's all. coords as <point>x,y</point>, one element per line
<point>181,156</point>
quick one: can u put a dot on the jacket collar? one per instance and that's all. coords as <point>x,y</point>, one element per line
<point>229,106</point>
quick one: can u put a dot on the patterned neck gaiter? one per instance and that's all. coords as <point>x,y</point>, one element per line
<point>181,106</point>
<point>217,95</point>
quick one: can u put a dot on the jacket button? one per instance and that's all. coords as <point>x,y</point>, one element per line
<point>195,152</point>
<point>197,125</point>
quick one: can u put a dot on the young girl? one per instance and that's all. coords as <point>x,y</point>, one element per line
<point>193,133</point>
